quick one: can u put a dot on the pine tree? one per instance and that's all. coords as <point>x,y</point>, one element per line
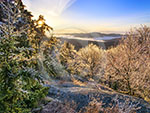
<point>45,47</point>
<point>20,88</point>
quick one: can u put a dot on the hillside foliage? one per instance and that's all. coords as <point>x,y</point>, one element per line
<point>125,68</point>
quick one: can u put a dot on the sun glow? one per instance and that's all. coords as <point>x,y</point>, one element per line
<point>40,23</point>
<point>50,9</point>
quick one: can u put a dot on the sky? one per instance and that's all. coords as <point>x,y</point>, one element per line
<point>116,16</point>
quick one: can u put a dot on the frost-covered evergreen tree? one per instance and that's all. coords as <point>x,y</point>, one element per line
<point>67,57</point>
<point>20,88</point>
<point>46,45</point>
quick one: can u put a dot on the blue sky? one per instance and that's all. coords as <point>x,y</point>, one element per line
<point>93,15</point>
<point>96,9</point>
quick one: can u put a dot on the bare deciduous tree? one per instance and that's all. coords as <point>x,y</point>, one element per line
<point>128,64</point>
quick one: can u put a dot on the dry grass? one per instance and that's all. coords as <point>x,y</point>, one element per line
<point>58,107</point>
<point>97,107</point>
<point>93,107</point>
<point>77,82</point>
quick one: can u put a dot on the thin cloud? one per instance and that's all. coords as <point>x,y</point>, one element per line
<point>51,7</point>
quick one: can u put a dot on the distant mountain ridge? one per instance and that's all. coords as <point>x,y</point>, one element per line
<point>93,35</point>
<point>80,40</point>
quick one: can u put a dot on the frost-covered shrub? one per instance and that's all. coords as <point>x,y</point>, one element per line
<point>53,67</point>
<point>91,61</point>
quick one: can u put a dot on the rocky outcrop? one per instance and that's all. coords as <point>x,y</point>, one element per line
<point>83,95</point>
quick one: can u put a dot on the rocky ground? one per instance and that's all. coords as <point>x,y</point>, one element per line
<point>84,93</point>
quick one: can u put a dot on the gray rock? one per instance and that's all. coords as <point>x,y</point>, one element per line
<point>83,95</point>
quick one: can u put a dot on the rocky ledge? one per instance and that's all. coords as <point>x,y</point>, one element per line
<point>83,95</point>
